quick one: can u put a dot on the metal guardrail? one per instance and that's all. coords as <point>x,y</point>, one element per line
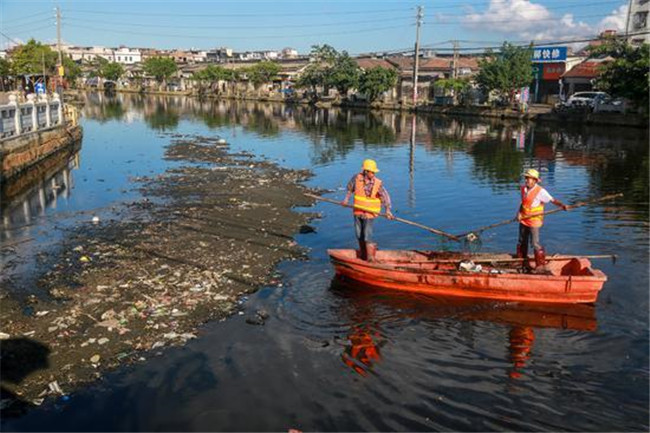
<point>34,115</point>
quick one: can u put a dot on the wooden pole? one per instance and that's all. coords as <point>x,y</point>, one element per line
<point>474,233</point>
<point>416,59</point>
<point>516,259</point>
<point>402,220</point>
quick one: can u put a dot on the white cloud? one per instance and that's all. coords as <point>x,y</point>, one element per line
<point>526,20</point>
<point>509,15</point>
<point>616,20</point>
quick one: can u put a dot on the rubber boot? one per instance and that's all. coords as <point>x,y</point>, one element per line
<point>371,251</point>
<point>522,253</point>
<point>362,252</point>
<point>540,261</point>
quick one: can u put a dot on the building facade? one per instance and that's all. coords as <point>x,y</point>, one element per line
<point>637,27</point>
<point>127,56</point>
<point>123,55</point>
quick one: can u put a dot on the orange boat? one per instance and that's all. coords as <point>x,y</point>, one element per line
<point>569,280</point>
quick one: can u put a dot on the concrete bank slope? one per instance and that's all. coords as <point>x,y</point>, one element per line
<point>122,290</point>
<point>17,154</point>
<point>543,114</point>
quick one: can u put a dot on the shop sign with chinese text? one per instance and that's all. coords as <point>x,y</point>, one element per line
<point>549,54</point>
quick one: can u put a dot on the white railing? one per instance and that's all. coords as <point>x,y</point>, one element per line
<point>34,115</point>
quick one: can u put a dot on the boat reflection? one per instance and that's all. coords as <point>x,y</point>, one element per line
<point>365,338</point>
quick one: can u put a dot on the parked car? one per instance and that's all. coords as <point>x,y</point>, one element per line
<point>617,105</point>
<point>587,99</point>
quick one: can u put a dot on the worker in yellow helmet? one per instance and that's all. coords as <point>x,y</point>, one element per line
<point>533,198</point>
<point>369,196</point>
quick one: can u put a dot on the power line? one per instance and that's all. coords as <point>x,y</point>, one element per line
<point>27,24</point>
<point>30,16</point>
<point>565,5</point>
<point>455,5</point>
<point>375,29</point>
<point>28,31</point>
<point>9,38</point>
<point>510,20</point>
<point>213,27</point>
<point>522,45</point>
<point>285,14</point>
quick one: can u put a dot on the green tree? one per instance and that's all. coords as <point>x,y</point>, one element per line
<point>5,72</point>
<point>627,75</point>
<point>311,78</point>
<point>505,71</point>
<point>5,68</point>
<point>262,72</point>
<point>316,74</point>
<point>30,58</point>
<point>457,86</point>
<point>160,67</point>
<point>377,80</point>
<point>95,66</point>
<point>344,74</point>
<point>72,70</point>
<point>213,74</point>
<point>111,71</point>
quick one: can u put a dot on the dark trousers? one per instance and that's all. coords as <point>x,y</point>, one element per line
<point>363,229</point>
<point>525,234</point>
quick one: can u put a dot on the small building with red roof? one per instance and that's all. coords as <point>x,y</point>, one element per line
<point>582,76</point>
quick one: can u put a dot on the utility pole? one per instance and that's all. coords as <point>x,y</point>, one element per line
<point>416,63</point>
<point>627,20</point>
<point>58,35</point>
<point>454,72</point>
<point>59,68</point>
<point>455,64</point>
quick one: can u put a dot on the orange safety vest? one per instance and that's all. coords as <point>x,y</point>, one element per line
<point>366,206</point>
<point>527,209</point>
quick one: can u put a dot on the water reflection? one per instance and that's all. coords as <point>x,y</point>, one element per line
<point>615,157</point>
<point>36,190</point>
<point>369,309</point>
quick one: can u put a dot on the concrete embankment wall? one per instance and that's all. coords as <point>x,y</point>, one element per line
<point>19,153</point>
<point>614,119</point>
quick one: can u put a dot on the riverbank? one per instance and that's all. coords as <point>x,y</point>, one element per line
<point>537,113</point>
<point>204,235</point>
<point>18,154</point>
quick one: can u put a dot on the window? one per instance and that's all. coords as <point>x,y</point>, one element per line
<point>640,20</point>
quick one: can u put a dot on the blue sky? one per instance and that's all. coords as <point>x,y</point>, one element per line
<point>355,26</point>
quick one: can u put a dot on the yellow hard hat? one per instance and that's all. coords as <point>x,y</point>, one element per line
<point>370,165</point>
<point>532,173</point>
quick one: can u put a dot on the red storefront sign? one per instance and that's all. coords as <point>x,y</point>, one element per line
<point>553,71</point>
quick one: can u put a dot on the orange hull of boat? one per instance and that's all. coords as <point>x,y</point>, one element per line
<point>569,281</point>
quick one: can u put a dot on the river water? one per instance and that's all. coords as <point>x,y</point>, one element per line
<point>334,358</point>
